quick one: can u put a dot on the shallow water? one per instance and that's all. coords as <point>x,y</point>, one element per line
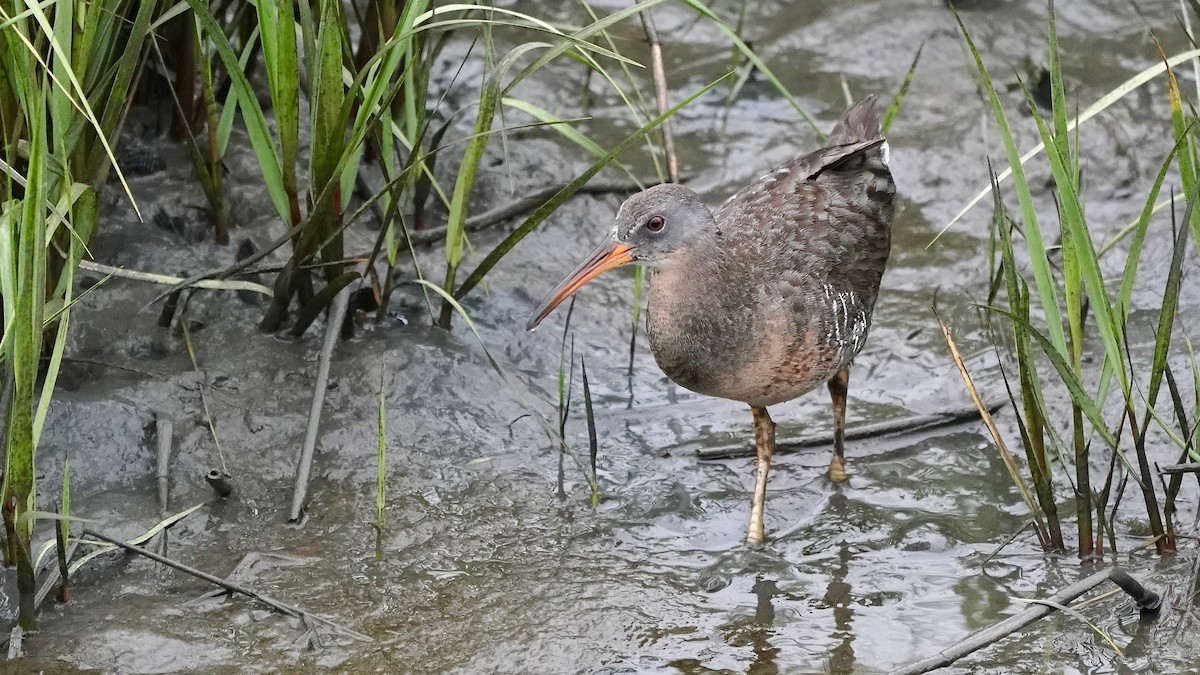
<point>485,566</point>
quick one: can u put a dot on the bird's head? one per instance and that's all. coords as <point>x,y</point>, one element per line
<point>652,226</point>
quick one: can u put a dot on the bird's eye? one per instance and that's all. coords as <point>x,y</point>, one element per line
<point>655,224</point>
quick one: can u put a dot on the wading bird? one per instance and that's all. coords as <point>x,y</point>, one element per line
<point>771,295</point>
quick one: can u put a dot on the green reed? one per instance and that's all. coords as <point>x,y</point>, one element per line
<point>69,67</point>
<point>1068,302</point>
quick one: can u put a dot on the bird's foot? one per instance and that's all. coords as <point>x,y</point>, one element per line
<point>837,470</point>
<point>754,534</point>
<point>740,563</point>
<point>754,539</point>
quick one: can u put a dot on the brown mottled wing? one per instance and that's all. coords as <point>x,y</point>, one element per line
<point>817,232</point>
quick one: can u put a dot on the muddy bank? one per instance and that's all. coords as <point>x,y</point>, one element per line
<point>485,567</point>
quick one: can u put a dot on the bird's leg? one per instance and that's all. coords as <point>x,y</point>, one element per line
<point>838,387</point>
<point>764,442</point>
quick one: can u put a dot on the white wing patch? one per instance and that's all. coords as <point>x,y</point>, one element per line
<point>847,328</point>
<point>886,153</point>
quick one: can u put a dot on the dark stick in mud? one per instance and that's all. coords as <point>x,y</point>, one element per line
<point>230,586</point>
<point>859,432</point>
<point>1174,469</point>
<point>1148,603</point>
<point>63,555</point>
<point>164,430</point>
<point>337,312</point>
<point>220,482</point>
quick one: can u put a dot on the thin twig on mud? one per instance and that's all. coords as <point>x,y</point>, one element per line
<point>230,586</point>
<point>175,282</point>
<point>1011,538</point>
<point>333,327</point>
<point>184,322</point>
<point>660,93</point>
<point>1006,457</point>
<point>114,366</point>
<point>1012,624</point>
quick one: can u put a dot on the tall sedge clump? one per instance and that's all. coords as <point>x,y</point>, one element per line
<point>347,100</point>
<point>1068,304</point>
<point>69,67</point>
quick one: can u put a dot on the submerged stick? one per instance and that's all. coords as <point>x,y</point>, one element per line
<point>337,311</point>
<point>220,482</point>
<point>230,586</point>
<point>1148,602</point>
<point>859,432</point>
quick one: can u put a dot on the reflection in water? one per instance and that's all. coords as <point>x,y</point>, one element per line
<point>838,596</point>
<point>757,632</point>
<point>761,631</point>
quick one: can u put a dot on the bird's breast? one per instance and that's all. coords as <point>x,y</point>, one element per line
<point>723,339</point>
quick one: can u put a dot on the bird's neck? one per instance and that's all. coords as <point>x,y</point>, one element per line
<point>691,281</point>
<point>698,315</point>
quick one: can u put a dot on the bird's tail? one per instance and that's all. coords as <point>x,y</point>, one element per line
<point>860,123</point>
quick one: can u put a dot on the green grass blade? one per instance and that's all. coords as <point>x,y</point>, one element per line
<point>1129,274</point>
<point>83,211</point>
<point>488,100</point>
<point>1116,94</point>
<point>1080,262</point>
<point>252,114</point>
<point>893,108</point>
<point>753,58</point>
<point>559,198</point>
<point>1067,374</point>
<point>229,109</point>
<point>1046,287</point>
<point>75,93</point>
<point>278,35</point>
<point>1187,152</point>
<point>1170,304</point>
<point>563,127</point>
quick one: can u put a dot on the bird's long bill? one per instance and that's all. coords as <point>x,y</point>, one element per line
<point>609,254</point>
